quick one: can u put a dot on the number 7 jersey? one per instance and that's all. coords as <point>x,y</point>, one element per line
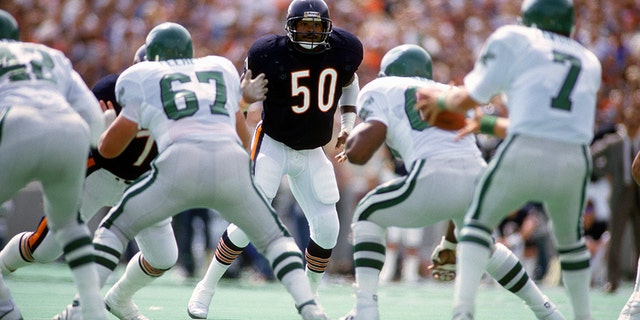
<point>202,93</point>
<point>550,82</point>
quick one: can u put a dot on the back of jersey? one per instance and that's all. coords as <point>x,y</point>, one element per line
<point>34,75</point>
<point>183,99</point>
<point>550,81</point>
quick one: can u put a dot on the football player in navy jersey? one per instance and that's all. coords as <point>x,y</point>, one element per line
<point>312,73</point>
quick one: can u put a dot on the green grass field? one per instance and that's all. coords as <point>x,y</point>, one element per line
<point>42,291</point>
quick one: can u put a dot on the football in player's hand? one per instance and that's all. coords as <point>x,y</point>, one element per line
<point>449,120</point>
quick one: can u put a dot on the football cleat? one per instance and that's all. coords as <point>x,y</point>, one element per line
<point>123,309</point>
<point>71,312</point>
<point>631,310</point>
<point>198,307</point>
<point>366,307</point>
<point>313,312</point>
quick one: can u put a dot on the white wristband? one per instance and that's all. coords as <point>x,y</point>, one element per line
<point>347,121</point>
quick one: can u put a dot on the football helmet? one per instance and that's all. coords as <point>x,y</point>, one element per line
<point>167,41</point>
<point>406,60</point>
<point>141,54</point>
<point>550,15</point>
<point>8,26</point>
<point>315,11</point>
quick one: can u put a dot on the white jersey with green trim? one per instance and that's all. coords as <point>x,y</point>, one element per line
<point>203,93</point>
<point>391,101</point>
<point>550,82</point>
<point>40,77</point>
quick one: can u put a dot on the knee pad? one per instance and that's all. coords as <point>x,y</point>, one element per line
<point>324,227</point>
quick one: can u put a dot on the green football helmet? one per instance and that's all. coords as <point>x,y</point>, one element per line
<point>8,26</point>
<point>167,41</point>
<point>407,60</point>
<point>550,15</point>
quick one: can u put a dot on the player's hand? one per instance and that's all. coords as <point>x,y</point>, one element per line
<point>109,112</point>
<point>443,261</point>
<point>473,124</point>
<point>427,103</point>
<point>253,90</point>
<point>341,157</point>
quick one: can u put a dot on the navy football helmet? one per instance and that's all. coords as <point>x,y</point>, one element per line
<point>167,41</point>
<point>407,60</point>
<point>8,26</point>
<point>313,11</point>
<point>141,54</point>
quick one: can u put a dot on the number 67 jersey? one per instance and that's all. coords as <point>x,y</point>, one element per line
<point>551,81</point>
<point>203,93</point>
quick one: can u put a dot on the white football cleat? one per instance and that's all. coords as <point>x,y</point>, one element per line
<point>313,312</point>
<point>123,309</point>
<point>548,311</point>
<point>71,312</point>
<point>631,310</point>
<point>366,308</point>
<point>198,307</point>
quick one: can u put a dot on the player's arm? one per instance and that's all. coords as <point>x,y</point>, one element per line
<point>364,140</point>
<point>430,101</point>
<point>243,130</point>
<point>117,137</point>
<point>347,105</point>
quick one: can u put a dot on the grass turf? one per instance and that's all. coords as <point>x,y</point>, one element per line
<point>41,291</point>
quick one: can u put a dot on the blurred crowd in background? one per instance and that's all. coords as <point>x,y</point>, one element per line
<point>101,36</point>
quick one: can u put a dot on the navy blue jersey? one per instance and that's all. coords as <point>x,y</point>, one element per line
<point>304,88</point>
<point>136,158</point>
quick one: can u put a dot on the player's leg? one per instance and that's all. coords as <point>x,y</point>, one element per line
<point>572,251</point>
<point>316,191</point>
<point>631,310</point>
<point>30,246</point>
<point>507,270</point>
<point>230,246</point>
<point>62,188</point>
<point>269,163</point>
<point>158,253</point>
<point>392,247</point>
<point>475,241</point>
<point>412,240</point>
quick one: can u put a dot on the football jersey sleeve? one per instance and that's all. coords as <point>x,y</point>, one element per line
<point>129,94</point>
<point>491,74</point>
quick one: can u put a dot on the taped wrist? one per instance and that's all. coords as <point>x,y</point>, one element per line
<point>347,121</point>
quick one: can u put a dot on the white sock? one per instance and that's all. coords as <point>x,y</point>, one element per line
<point>389,268</point>
<point>471,263</point>
<point>410,265</point>
<point>133,279</point>
<point>289,269</point>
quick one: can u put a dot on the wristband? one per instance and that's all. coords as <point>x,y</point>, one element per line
<point>442,101</point>
<point>488,124</point>
<point>347,121</point>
